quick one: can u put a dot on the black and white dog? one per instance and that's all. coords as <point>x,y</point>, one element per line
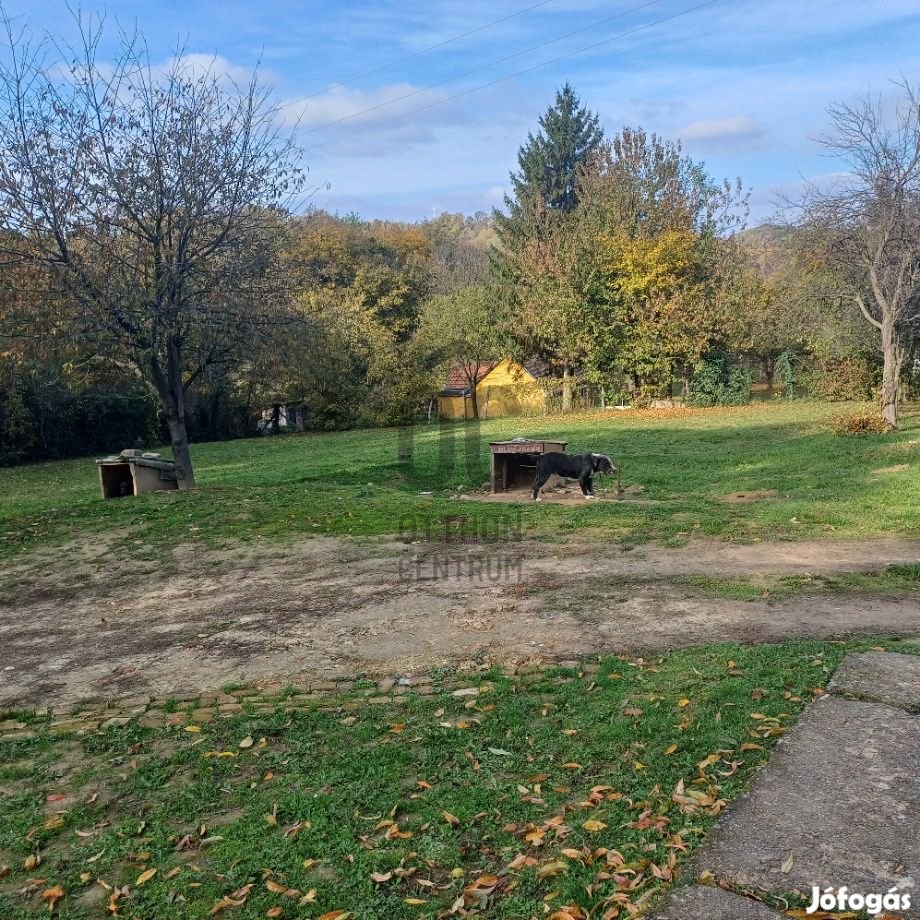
<point>581,467</point>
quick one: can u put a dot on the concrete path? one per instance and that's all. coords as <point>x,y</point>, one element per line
<point>838,805</point>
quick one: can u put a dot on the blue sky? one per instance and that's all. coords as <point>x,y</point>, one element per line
<point>743,83</point>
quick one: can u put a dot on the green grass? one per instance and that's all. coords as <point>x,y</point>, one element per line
<point>895,581</point>
<point>355,483</point>
<point>431,794</point>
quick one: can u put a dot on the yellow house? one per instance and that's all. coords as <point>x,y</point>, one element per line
<point>502,388</point>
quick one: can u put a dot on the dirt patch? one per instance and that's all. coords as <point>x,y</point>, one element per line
<point>331,606</point>
<point>565,495</point>
<point>891,470</point>
<point>746,498</point>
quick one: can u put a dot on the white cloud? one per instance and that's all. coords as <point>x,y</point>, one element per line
<point>354,108</point>
<point>737,127</point>
<point>197,65</point>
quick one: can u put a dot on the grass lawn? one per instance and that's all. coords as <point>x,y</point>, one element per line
<point>531,795</point>
<point>686,463</point>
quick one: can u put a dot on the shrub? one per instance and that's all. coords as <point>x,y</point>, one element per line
<point>714,385</point>
<point>847,379</point>
<point>859,424</point>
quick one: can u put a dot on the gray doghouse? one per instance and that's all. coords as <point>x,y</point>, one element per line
<point>133,472</point>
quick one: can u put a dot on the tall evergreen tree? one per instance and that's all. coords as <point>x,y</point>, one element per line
<point>533,264</point>
<point>548,163</point>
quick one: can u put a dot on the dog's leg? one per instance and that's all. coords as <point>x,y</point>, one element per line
<point>538,484</point>
<point>587,486</point>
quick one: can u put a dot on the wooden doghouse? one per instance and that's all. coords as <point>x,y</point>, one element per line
<point>513,463</point>
<point>133,472</point>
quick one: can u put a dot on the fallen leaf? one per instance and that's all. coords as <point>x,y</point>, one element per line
<point>194,729</point>
<point>552,869</point>
<point>786,867</point>
<point>145,876</point>
<point>223,904</point>
<point>593,826</point>
<point>247,742</point>
<point>670,749</point>
<point>452,820</point>
<point>52,896</point>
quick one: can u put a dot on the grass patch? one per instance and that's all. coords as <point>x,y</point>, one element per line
<point>549,791</point>
<point>367,483</point>
<point>894,581</point>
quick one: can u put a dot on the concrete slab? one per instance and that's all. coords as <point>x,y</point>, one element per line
<point>885,677</point>
<point>695,902</point>
<point>840,797</point>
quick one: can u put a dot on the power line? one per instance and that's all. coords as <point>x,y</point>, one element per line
<point>519,73</point>
<point>415,54</point>
<point>468,73</point>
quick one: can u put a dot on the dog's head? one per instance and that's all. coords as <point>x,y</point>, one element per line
<point>601,463</point>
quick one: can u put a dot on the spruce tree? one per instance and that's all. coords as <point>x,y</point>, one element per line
<point>548,163</point>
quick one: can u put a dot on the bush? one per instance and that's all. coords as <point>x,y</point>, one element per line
<point>859,424</point>
<point>846,380</point>
<point>714,385</point>
<point>787,372</point>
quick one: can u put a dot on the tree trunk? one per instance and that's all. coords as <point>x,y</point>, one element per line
<point>769,372</point>
<point>566,389</point>
<point>891,373</point>
<point>474,401</point>
<point>174,404</point>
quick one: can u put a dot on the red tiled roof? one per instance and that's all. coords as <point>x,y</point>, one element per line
<point>459,376</point>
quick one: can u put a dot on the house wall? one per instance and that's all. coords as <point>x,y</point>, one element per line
<point>509,389</point>
<point>455,408</point>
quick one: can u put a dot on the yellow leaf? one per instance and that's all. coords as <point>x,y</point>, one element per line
<point>223,904</point>
<point>194,729</point>
<point>452,820</point>
<point>247,742</point>
<point>786,867</point>
<point>552,869</point>
<point>683,703</point>
<point>670,749</point>
<point>414,901</point>
<point>592,826</point>
<point>145,876</point>
<point>308,897</point>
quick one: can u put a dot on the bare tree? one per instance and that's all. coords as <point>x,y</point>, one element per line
<point>150,198</point>
<point>866,226</point>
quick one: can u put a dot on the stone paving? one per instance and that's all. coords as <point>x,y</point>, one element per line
<point>838,804</point>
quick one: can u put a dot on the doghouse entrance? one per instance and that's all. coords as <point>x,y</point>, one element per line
<point>116,480</point>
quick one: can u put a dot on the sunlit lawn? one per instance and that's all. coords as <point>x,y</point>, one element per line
<point>354,482</point>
